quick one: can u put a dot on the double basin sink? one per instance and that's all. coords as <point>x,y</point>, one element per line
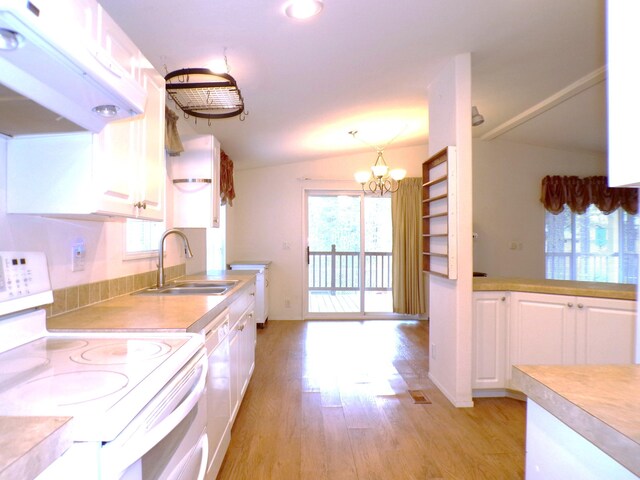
<point>191,287</point>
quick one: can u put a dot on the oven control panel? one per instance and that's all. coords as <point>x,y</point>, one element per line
<point>24,277</point>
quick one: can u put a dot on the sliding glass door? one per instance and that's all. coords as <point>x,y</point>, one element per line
<point>348,254</point>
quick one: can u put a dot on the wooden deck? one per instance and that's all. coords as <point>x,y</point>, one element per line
<point>349,302</point>
<point>336,400</point>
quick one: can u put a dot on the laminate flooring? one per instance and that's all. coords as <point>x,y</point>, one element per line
<point>329,400</point>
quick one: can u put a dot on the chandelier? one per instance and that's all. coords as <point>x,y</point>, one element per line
<point>381,179</point>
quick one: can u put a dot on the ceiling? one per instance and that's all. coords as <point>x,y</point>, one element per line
<point>366,65</point>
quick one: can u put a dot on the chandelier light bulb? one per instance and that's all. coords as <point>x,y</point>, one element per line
<point>362,176</point>
<point>379,170</point>
<point>398,174</point>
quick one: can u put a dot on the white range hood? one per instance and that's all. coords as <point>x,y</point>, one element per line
<point>65,62</point>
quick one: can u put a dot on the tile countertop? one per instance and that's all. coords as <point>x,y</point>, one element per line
<point>558,287</point>
<point>28,445</point>
<point>600,402</point>
<point>178,313</point>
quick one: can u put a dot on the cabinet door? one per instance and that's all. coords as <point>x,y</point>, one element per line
<point>542,329</point>
<point>247,349</point>
<point>234,371</point>
<point>489,339</point>
<point>195,174</point>
<point>151,168</point>
<point>119,54</point>
<point>265,297</point>
<point>606,330</point>
<point>116,167</point>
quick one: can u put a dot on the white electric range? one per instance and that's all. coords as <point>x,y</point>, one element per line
<point>136,399</point>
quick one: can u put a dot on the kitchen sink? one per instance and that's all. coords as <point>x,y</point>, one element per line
<point>191,287</point>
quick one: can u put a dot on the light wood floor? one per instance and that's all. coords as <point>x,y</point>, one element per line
<point>329,401</point>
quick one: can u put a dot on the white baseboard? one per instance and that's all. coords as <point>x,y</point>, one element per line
<point>452,398</point>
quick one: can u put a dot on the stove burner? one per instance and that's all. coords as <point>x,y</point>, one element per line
<point>23,364</point>
<point>73,387</point>
<point>122,352</point>
<point>64,344</point>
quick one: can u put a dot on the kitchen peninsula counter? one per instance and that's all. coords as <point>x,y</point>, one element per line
<point>557,287</point>
<point>28,445</point>
<point>166,313</point>
<point>599,402</point>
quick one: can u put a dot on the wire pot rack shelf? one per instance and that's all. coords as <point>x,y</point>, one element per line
<point>201,93</point>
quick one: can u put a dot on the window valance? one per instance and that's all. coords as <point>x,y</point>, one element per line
<point>578,193</point>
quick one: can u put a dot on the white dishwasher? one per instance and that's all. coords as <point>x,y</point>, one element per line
<point>218,391</point>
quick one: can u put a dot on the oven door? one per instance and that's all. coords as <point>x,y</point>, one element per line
<point>168,439</point>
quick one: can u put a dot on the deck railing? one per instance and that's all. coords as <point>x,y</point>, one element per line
<point>592,266</point>
<point>335,271</point>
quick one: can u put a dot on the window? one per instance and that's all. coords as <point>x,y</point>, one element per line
<point>141,238</point>
<point>592,246</point>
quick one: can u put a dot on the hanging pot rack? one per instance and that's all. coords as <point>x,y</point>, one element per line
<point>201,93</point>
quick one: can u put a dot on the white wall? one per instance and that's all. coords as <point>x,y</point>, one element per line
<point>268,213</point>
<point>506,203</point>
<point>103,241</point>
<point>450,322</point>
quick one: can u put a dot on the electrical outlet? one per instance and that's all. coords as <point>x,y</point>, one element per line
<point>77,257</point>
<point>287,303</point>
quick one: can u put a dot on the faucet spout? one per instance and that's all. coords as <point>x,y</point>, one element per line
<point>187,252</point>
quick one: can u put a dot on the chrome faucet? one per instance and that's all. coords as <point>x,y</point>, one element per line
<point>187,252</point>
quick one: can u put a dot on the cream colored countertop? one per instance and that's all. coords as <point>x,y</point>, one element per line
<point>600,402</point>
<point>178,313</point>
<point>28,445</point>
<point>557,287</point>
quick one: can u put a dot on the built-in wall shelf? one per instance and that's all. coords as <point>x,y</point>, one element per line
<point>438,214</point>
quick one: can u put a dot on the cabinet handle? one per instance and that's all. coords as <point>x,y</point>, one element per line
<point>253,294</point>
<point>142,205</point>
<point>569,304</point>
<point>580,305</point>
<point>503,299</point>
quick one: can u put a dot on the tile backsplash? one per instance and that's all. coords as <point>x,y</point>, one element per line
<point>72,298</point>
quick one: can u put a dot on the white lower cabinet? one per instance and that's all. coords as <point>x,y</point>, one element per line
<point>544,329</point>
<point>489,339</point>
<point>242,345</point>
<point>262,287</point>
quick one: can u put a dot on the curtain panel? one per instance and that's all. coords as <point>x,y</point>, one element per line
<point>406,217</point>
<point>227,190</point>
<point>578,193</point>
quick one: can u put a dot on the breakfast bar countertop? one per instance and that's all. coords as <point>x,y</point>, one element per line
<point>600,402</point>
<point>617,291</point>
<point>29,444</point>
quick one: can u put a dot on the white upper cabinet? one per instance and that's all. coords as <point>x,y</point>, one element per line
<point>73,58</point>
<point>623,94</point>
<point>116,173</point>
<point>195,175</point>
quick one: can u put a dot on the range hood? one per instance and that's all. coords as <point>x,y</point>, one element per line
<point>58,65</point>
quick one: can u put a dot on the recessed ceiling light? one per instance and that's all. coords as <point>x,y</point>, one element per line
<point>10,40</point>
<point>301,9</point>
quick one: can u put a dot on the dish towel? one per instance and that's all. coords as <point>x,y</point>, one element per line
<point>172,142</point>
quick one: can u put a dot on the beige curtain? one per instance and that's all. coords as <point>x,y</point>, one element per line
<point>406,215</point>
